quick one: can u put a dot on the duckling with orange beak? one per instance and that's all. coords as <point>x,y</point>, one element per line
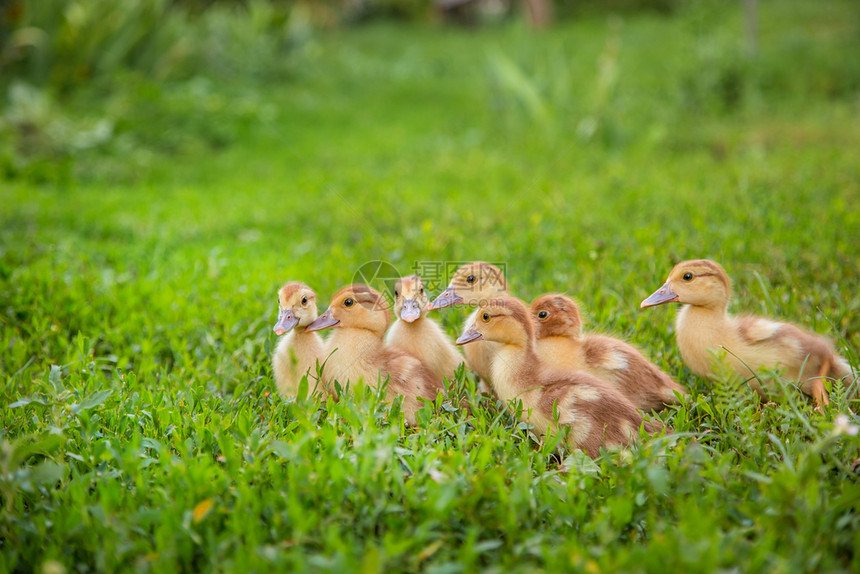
<point>474,284</point>
<point>358,352</point>
<point>298,349</point>
<point>597,414</point>
<point>561,343</point>
<point>706,333</point>
<point>417,334</point>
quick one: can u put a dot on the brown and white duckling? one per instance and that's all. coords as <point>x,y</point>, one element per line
<point>474,284</point>
<point>358,352</point>
<point>419,335</point>
<point>561,343</point>
<point>298,349</point>
<point>596,413</point>
<point>706,333</point>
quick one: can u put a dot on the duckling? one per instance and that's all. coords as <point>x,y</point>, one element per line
<point>473,284</point>
<point>357,350</point>
<point>416,333</point>
<point>561,343</point>
<point>297,353</point>
<point>596,413</point>
<point>704,328</point>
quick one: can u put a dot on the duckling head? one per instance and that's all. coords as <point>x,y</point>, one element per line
<point>556,315</point>
<point>505,320</point>
<point>297,307</point>
<point>410,301</point>
<point>472,284</point>
<point>356,307</point>
<point>700,282</point>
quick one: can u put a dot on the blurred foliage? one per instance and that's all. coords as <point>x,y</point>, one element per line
<point>66,44</point>
<point>124,55</point>
<point>363,10</point>
<point>88,80</point>
<point>579,7</point>
<point>73,45</point>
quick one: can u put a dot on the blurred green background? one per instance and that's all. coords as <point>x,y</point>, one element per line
<point>86,82</point>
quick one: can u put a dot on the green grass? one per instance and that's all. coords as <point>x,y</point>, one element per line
<point>140,424</point>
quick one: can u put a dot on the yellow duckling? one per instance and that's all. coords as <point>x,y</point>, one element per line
<point>474,284</point>
<point>703,328</point>
<point>416,333</point>
<point>297,353</point>
<point>596,413</point>
<point>561,343</point>
<point>358,352</point>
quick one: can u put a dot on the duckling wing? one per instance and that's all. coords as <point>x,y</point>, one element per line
<point>628,371</point>
<point>409,376</point>
<point>758,330</point>
<point>766,343</point>
<point>786,344</point>
<point>790,338</point>
<point>597,413</point>
<point>605,353</point>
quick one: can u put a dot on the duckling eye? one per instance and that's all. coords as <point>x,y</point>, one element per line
<point>348,303</point>
<point>485,317</point>
<point>543,315</point>
<point>396,294</point>
<point>422,290</point>
<point>470,279</point>
<point>304,300</point>
<point>688,276</point>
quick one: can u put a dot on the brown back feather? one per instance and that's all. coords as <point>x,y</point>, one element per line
<point>612,416</point>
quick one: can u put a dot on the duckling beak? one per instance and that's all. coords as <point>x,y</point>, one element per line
<point>324,321</point>
<point>286,322</point>
<point>446,299</point>
<point>470,335</point>
<point>662,295</point>
<point>410,311</point>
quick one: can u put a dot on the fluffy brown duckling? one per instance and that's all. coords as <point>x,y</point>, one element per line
<point>597,414</point>
<point>419,335</point>
<point>358,351</point>
<point>561,343</point>
<point>706,334</point>
<point>298,349</point>
<point>473,284</point>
